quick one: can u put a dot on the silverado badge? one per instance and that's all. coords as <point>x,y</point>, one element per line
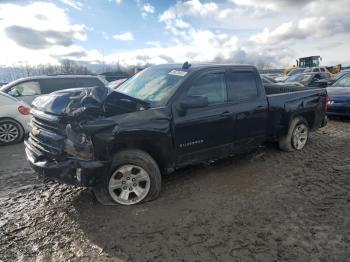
<point>35,131</point>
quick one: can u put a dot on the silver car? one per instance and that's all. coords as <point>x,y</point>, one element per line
<point>27,89</point>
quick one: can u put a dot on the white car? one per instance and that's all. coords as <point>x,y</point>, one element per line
<point>14,119</point>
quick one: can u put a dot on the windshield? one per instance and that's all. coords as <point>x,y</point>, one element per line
<point>154,84</point>
<point>343,81</point>
<point>299,78</point>
<point>295,72</point>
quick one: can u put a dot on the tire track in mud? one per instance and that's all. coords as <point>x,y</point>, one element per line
<point>262,206</point>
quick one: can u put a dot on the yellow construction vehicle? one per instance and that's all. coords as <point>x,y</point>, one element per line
<point>312,61</point>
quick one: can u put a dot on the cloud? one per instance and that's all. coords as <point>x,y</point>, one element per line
<point>105,35</point>
<point>145,8</point>
<point>118,2</point>
<point>73,3</point>
<point>202,46</point>
<point>324,7</point>
<point>273,4</point>
<point>153,43</point>
<point>148,8</point>
<point>312,27</point>
<point>43,33</point>
<point>124,37</point>
<point>188,8</point>
<point>34,39</point>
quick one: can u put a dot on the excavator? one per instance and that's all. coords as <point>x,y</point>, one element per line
<point>312,61</point>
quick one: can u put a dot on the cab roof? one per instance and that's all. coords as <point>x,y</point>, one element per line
<point>199,66</point>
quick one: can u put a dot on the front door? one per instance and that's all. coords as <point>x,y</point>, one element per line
<point>26,91</point>
<point>205,133</point>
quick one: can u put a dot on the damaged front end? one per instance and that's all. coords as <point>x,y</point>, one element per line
<point>61,143</point>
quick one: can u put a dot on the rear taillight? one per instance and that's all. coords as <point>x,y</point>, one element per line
<point>24,110</point>
<point>326,103</point>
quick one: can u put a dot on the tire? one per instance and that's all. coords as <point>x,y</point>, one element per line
<point>133,172</point>
<point>288,142</point>
<point>11,132</point>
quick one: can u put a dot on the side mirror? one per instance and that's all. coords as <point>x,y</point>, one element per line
<point>192,102</point>
<point>14,92</point>
<point>321,83</point>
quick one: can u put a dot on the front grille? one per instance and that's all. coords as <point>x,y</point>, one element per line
<point>47,138</point>
<point>49,126</point>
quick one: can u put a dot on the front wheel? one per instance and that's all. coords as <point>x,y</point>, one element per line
<point>297,136</point>
<point>134,178</point>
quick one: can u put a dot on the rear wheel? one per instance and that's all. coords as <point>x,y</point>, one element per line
<point>11,132</point>
<point>297,136</point>
<point>134,178</point>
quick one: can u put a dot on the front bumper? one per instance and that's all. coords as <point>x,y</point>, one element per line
<point>70,171</point>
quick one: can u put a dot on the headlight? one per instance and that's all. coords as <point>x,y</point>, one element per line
<point>78,144</point>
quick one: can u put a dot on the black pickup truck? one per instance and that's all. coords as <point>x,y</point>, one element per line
<point>165,117</point>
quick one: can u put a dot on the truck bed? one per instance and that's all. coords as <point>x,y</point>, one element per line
<point>271,89</point>
<point>284,102</point>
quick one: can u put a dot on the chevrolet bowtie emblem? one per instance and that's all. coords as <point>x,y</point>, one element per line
<point>35,131</point>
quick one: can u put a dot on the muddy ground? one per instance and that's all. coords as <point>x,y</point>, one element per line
<point>262,206</point>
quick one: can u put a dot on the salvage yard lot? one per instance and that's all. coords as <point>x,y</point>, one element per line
<point>262,206</point>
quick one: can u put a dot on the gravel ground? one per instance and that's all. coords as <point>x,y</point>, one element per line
<point>262,206</point>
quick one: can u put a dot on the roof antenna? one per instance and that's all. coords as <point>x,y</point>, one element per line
<point>186,65</point>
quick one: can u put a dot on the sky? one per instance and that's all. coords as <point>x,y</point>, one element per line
<point>272,33</point>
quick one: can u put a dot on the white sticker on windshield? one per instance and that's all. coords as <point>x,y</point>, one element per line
<point>177,73</point>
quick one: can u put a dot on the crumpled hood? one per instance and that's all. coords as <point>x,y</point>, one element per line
<point>87,102</point>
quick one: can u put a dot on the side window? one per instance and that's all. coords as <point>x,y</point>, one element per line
<point>89,82</point>
<point>55,84</point>
<point>30,88</point>
<point>315,70</point>
<point>322,69</point>
<point>242,86</point>
<point>212,86</point>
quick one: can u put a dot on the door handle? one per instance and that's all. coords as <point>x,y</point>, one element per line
<point>226,113</point>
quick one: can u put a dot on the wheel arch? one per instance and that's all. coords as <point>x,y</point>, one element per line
<point>161,152</point>
<point>12,119</point>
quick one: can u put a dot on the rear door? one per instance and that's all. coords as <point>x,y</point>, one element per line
<point>248,102</point>
<point>203,133</point>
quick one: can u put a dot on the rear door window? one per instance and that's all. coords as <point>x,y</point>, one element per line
<point>56,84</point>
<point>89,82</point>
<point>242,86</point>
<point>29,88</point>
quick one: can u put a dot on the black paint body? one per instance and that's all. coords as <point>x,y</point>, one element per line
<point>174,138</point>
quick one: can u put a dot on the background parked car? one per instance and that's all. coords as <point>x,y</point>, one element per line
<point>14,119</point>
<point>27,89</point>
<point>319,69</point>
<point>291,73</point>
<point>335,78</point>
<point>271,82</point>
<point>339,97</point>
<point>310,79</point>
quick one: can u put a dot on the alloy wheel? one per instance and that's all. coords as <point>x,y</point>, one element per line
<point>300,136</point>
<point>129,184</point>
<point>8,133</point>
